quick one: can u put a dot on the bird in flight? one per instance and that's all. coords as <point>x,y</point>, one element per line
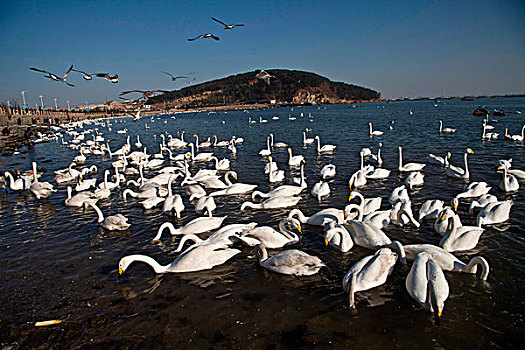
<point>85,75</point>
<point>112,79</point>
<point>263,75</point>
<point>174,78</point>
<point>54,76</point>
<point>227,26</point>
<point>146,93</point>
<point>205,36</point>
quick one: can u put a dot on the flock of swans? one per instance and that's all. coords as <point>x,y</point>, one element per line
<point>362,222</point>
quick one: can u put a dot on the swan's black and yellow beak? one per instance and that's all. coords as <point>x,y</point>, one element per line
<point>326,242</point>
<point>455,207</point>
<point>299,228</point>
<point>350,186</point>
<point>443,217</point>
<point>349,198</point>
<point>120,270</point>
<point>500,167</point>
<point>345,215</point>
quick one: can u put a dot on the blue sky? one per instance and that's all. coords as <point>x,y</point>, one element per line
<point>405,48</point>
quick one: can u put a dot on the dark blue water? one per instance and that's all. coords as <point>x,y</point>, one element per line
<point>56,263</point>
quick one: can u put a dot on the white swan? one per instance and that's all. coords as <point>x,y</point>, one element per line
<point>338,237</point>
<point>217,143</point>
<point>201,157</point>
<point>447,261</point>
<point>399,193</point>
<point>65,176</point>
<point>519,137</point>
<point>459,238</point>
<point>445,130</point>
<point>198,225</point>
<point>481,202</point>
<point>272,238</point>
<point>223,164</point>
<point>358,179</point>
<point>205,206</point>
<point>234,188</point>
<point>197,258</point>
<point>320,190</point>
<point>307,141</point>
<point>228,235</point>
<point>289,262</point>
<point>494,213</point>
<point>40,189</point>
<point>273,203</point>
<point>367,205</point>
<point>319,218</point>
<point>274,175</point>
<point>374,132</point>
<point>443,161</point>
<point>79,199</point>
<point>370,237</point>
<point>278,144</point>
<point>294,160</point>
<point>509,183</point>
<point>475,189</point>
<point>408,166</point>
<point>151,202</point>
<point>369,272</point>
<point>401,214</point>
<point>426,283</point>
<point>194,191</point>
<point>266,151</point>
<point>430,209</point>
<point>328,171</point>
<point>19,184</point>
<point>110,223</point>
<point>325,148</point>
<point>457,172</point>
<point>172,202</point>
<point>415,178</point>
<point>138,144</point>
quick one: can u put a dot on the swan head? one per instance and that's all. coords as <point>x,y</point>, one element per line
<point>123,264</point>
<point>455,203</point>
<point>469,150</point>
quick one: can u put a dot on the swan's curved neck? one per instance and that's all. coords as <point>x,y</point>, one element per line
<point>466,164</point>
<point>250,205</point>
<point>158,268</point>
<point>287,233</point>
<point>262,254</point>
<point>227,177</point>
<point>505,180</point>
<point>11,179</point>
<point>471,267</point>
<point>35,178</point>
<point>167,225</point>
<point>99,212</point>
<point>300,216</point>
<point>318,144</point>
<point>362,161</point>
<point>440,126</point>
<point>350,207</point>
<point>188,237</point>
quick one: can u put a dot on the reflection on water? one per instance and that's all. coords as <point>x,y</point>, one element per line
<point>57,263</point>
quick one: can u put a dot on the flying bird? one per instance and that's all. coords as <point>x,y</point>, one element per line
<point>227,26</point>
<point>146,93</point>
<point>54,76</point>
<point>192,80</point>
<point>174,78</point>
<point>263,75</point>
<point>111,79</point>
<point>205,36</point>
<point>85,75</point>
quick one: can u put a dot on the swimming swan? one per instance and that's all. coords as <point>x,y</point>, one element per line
<point>447,261</point>
<point>110,223</point>
<point>409,166</point>
<point>459,238</point>
<point>338,237</point>
<point>40,189</point>
<point>494,213</point>
<point>325,148</point>
<point>289,262</point>
<point>457,172</point>
<point>273,203</point>
<point>272,238</point>
<point>369,272</point>
<point>426,283</point>
<point>197,258</point>
<point>198,225</point>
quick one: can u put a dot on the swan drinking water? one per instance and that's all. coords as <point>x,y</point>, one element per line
<point>110,223</point>
<point>289,262</point>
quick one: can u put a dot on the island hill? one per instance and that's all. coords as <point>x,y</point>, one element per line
<point>288,87</point>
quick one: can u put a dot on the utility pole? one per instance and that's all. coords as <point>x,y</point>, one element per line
<point>56,108</point>
<point>24,97</point>
<point>8,105</point>
<point>41,101</point>
<point>68,107</point>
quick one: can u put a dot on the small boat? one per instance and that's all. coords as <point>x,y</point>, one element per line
<point>482,112</point>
